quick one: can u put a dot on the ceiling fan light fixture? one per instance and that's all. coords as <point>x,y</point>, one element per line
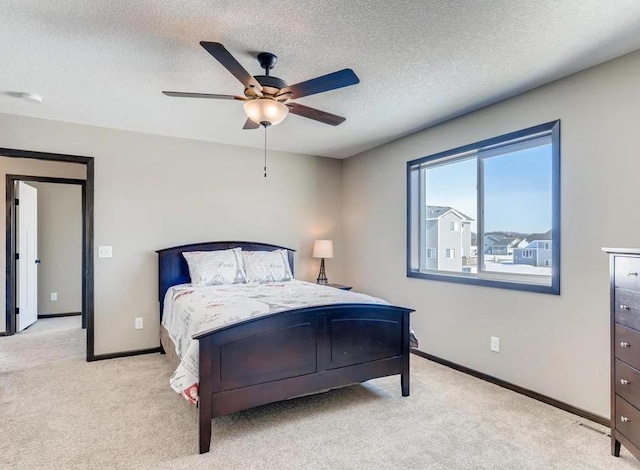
<point>266,110</point>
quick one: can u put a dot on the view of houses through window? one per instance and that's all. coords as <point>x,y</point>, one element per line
<point>488,212</point>
<point>517,213</point>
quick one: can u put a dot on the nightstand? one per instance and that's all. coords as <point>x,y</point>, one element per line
<point>339,286</point>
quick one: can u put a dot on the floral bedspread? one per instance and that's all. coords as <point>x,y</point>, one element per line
<point>189,310</point>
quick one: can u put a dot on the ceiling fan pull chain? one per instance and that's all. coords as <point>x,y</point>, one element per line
<point>265,151</point>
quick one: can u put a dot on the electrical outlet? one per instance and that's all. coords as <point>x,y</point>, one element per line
<point>105,252</point>
<point>139,323</point>
<point>495,344</point>
<point>54,296</point>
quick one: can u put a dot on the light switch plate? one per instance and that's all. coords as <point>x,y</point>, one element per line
<point>495,344</point>
<point>105,252</point>
<point>139,324</point>
<point>54,296</point>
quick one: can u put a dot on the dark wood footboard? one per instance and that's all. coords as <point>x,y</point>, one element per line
<point>298,352</point>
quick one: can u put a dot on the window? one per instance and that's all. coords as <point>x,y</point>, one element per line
<point>503,192</point>
<point>431,253</point>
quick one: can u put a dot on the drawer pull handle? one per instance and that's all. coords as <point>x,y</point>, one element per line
<point>625,307</point>
<point>624,419</point>
<point>633,273</point>
<point>624,382</point>
<point>624,344</point>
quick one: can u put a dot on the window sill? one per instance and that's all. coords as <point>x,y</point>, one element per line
<point>478,281</point>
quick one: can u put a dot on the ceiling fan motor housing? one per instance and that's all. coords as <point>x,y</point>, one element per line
<point>270,86</point>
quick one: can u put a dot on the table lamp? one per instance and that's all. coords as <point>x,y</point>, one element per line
<point>322,249</point>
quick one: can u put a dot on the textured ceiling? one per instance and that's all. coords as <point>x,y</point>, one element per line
<point>419,62</point>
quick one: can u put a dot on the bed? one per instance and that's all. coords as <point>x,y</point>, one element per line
<point>298,351</point>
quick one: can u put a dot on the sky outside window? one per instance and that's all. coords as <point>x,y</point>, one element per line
<point>454,185</point>
<point>517,190</point>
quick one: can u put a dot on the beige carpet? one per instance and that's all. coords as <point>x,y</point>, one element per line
<point>57,411</point>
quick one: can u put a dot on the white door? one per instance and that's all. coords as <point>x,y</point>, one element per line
<point>27,249</point>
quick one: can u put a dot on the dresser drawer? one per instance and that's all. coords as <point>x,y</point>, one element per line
<point>627,383</point>
<point>626,305</point>
<point>628,420</point>
<point>627,271</point>
<point>627,345</point>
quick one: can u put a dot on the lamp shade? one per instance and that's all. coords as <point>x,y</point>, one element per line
<point>323,249</point>
<point>266,110</point>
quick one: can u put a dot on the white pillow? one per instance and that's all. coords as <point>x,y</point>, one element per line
<point>208,268</point>
<point>267,266</point>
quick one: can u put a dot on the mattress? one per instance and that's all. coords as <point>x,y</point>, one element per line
<point>189,310</point>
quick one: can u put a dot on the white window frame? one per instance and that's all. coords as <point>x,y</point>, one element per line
<point>432,251</point>
<point>450,253</point>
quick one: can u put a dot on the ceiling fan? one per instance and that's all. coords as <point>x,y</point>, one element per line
<point>266,97</point>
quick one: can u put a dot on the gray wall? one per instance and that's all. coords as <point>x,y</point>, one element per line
<point>152,192</point>
<point>555,345</point>
<point>59,247</point>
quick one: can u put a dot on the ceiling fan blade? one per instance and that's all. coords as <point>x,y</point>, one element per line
<point>249,124</point>
<point>315,114</point>
<point>332,81</point>
<point>222,55</point>
<point>180,94</point>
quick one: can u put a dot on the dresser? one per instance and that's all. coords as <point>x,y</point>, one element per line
<point>625,349</point>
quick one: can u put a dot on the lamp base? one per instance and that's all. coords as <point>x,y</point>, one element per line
<point>322,277</point>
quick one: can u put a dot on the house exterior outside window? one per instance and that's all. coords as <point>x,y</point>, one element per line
<point>510,185</point>
<point>499,245</point>
<point>537,253</point>
<point>438,235</point>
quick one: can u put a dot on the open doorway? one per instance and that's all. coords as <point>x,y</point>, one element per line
<point>45,224</point>
<point>22,265</point>
<point>49,254</point>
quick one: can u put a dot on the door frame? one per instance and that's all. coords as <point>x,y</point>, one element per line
<point>87,236</point>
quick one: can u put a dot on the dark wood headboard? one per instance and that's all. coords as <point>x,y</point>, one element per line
<point>173,269</point>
